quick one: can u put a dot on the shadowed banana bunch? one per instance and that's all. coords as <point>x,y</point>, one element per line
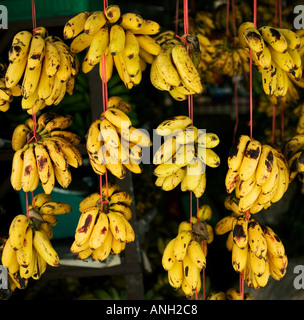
<point>185,255</point>
<point>44,67</point>
<point>258,174</point>
<point>113,143</point>
<point>173,70</point>
<point>28,249</point>
<point>46,158</point>
<point>293,150</point>
<point>256,249</point>
<point>183,156</point>
<point>201,22</point>
<point>103,228</point>
<point>230,294</point>
<point>7,94</point>
<point>276,55</point>
<point>124,39</point>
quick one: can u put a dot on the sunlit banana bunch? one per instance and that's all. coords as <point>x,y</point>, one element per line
<point>230,294</point>
<point>28,249</point>
<point>185,255</point>
<point>256,249</point>
<point>174,71</point>
<point>44,67</point>
<point>124,39</point>
<point>7,94</point>
<point>109,229</point>
<point>293,150</point>
<point>182,158</point>
<point>228,58</point>
<point>275,53</point>
<point>113,143</point>
<point>258,174</point>
<point>44,155</point>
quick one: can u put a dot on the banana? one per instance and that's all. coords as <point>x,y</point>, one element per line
<point>195,171</point>
<point>98,46</point>
<point>56,154</point>
<point>53,207</point>
<point>65,68</point>
<point>170,125</point>
<point>117,39</point>
<point>236,152</point>
<point>211,160</point>
<point>130,234</point>
<point>250,160</point>
<point>254,39</point>
<point>240,231</point>
<point>30,80</point>
<point>187,136</point>
<point>271,183</point>
<point>131,21</point>
<point>85,225</point>
<point>293,40</point>
<point>40,199</point>
<point>51,59</point>
<point>36,51</point>
<point>121,67</point>
<point>283,60</point>
<point>94,143</point>
<point>148,43</point>
<point>293,145</point>
<point>75,25</point>
<point>118,118</point>
<point>269,80</point>
<point>122,208</point>
<point>117,226</point>
<point>60,122</point>
<point>113,13</point>
<point>63,176</point>
<point>20,46</point>
<point>274,243</point>
<point>45,249</point>
<point>166,169</point>
<point>274,38</point>
<point>29,170</point>
<point>14,72</point>
<point>8,257</point>
<point>239,257</point>
<point>102,252</point>
<point>256,239</point>
<point>24,253</point>
<point>201,187</point>
<point>117,169</point>
<point>173,180</point>
<point>46,84</point>
<point>283,182</point>
<point>196,254</point>
<point>148,27</point>
<point>19,137</point>
<point>50,100</point>
<point>100,231</point>
<point>17,231</point>
<point>184,155</point>
<point>44,164</point>
<point>191,273</point>
<point>131,47</point>
<point>207,139</point>
<point>157,80</point>
<point>244,187</point>
<point>241,29</point>
<point>176,274</point>
<point>181,243</point>
<point>81,42</point>
<point>224,225</point>
<point>186,69</point>
<point>165,152</point>
<point>265,164</point>
<point>168,257</point>
<point>263,58</point>
<point>72,137</point>
<point>89,201</point>
<point>94,22</point>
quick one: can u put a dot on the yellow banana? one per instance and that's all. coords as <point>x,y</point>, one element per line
<point>274,38</point>
<point>117,226</point>
<point>283,60</point>
<point>75,25</point>
<point>274,243</point>
<point>113,13</point>
<point>98,46</point>
<point>182,241</point>
<point>256,239</point>
<point>240,231</point>
<point>292,38</point>
<point>117,39</point>
<point>224,225</point>
<point>148,27</point>
<point>94,22</point>
<point>239,257</point>
<point>51,59</point>
<point>81,42</point>
<point>53,207</point>
<point>168,257</point>
<point>24,253</point>
<point>20,46</point>
<point>254,39</point>
<point>19,137</point>
<point>40,199</point>
<point>236,152</point>
<point>196,254</point>
<point>56,154</point>
<point>99,231</point>
<point>191,272</point>
<point>176,274</point>
<point>102,252</point>
<point>36,51</point>
<point>241,29</point>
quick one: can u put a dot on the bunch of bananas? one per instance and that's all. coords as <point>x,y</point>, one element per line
<point>46,67</point>
<point>113,143</point>
<point>256,249</point>
<point>28,249</point>
<point>7,94</point>
<point>258,174</point>
<point>230,294</point>
<point>124,39</point>
<point>103,226</point>
<point>183,156</point>
<point>174,71</point>
<point>229,58</point>
<point>275,53</point>
<point>185,255</point>
<point>293,150</point>
<point>201,22</point>
<point>44,154</point>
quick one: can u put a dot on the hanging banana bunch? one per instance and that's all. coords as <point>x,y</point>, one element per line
<point>185,255</point>
<point>28,249</point>
<point>45,157</point>
<point>43,66</point>
<point>183,156</point>
<point>276,55</point>
<point>124,39</point>
<point>109,229</point>
<point>259,174</point>
<point>230,294</point>
<point>256,250</point>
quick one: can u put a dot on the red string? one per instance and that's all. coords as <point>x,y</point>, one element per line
<point>105,4</point>
<point>27,205</point>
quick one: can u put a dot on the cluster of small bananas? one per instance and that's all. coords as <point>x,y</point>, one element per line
<point>7,94</point>
<point>109,229</point>
<point>124,39</point>
<point>275,53</point>
<point>185,255</point>
<point>256,249</point>
<point>44,155</point>
<point>258,174</point>
<point>113,143</point>
<point>183,156</point>
<point>45,66</point>
<point>230,294</point>
<point>293,150</point>
<point>173,70</point>
<point>201,22</point>
<point>28,249</point>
